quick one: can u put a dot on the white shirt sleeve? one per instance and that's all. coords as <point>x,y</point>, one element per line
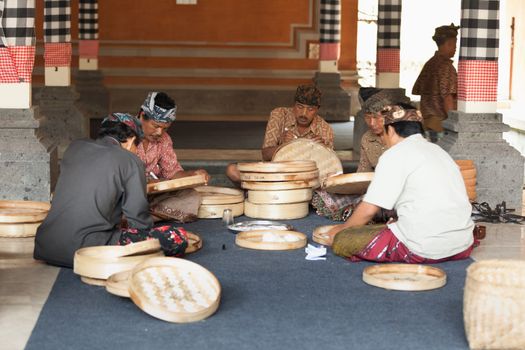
<point>387,185</point>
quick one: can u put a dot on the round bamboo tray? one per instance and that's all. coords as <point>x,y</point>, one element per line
<point>262,177</point>
<point>23,211</point>
<point>101,262</point>
<point>319,234</point>
<point>280,197</point>
<point>176,184</point>
<point>271,240</point>
<point>405,277</point>
<point>279,186</point>
<point>194,243</point>
<point>216,211</point>
<point>278,167</point>
<point>118,284</point>
<point>174,290</point>
<point>494,304</point>
<point>219,195</point>
<point>303,149</point>
<point>356,183</point>
<point>93,281</point>
<point>19,230</point>
<point>288,211</point>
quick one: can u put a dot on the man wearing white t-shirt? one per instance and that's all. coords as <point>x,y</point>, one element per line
<point>424,185</point>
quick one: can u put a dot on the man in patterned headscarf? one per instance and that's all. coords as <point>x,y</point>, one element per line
<point>100,180</point>
<point>156,150</point>
<point>289,123</point>
<point>437,82</point>
<point>433,222</point>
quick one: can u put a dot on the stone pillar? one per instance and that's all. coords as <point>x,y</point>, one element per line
<point>94,96</point>
<point>335,102</point>
<point>63,121</point>
<point>388,43</point>
<point>475,130</point>
<point>28,161</point>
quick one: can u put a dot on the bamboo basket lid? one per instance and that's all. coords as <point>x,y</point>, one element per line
<point>319,234</point>
<point>93,281</point>
<point>23,211</point>
<point>277,186</point>
<point>271,240</point>
<point>176,184</point>
<point>326,159</point>
<point>262,177</point>
<point>280,197</point>
<point>19,230</point>
<point>174,290</point>
<point>220,195</point>
<point>118,282</point>
<point>287,211</point>
<point>215,211</point>
<point>356,183</point>
<point>278,167</point>
<point>405,277</point>
<point>100,262</point>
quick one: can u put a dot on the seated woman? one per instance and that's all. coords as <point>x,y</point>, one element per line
<point>424,185</point>
<point>99,182</point>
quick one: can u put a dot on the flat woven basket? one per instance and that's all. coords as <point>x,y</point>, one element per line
<point>494,304</point>
<point>176,184</point>
<point>327,160</point>
<point>174,290</point>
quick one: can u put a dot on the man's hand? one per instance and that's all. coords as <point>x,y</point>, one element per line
<point>203,172</point>
<point>289,136</point>
<point>333,231</point>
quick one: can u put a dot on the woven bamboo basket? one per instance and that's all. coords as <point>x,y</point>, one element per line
<point>280,197</point>
<point>176,184</point>
<point>279,186</point>
<point>262,177</point>
<point>287,211</point>
<point>215,211</point>
<point>494,305</point>
<point>212,195</point>
<point>356,183</point>
<point>16,212</point>
<point>278,167</point>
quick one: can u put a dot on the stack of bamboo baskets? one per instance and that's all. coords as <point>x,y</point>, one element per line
<point>217,199</point>
<point>468,171</point>
<point>21,218</point>
<point>278,190</point>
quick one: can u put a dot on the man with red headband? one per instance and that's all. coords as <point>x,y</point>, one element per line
<point>433,222</point>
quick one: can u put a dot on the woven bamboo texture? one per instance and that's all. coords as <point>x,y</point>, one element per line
<point>405,277</point>
<point>494,304</point>
<point>326,159</point>
<point>278,167</point>
<point>176,184</point>
<point>174,290</point>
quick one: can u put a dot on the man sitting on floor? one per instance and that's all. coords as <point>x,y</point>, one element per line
<point>423,183</point>
<point>156,151</point>
<point>289,123</point>
<point>99,182</point>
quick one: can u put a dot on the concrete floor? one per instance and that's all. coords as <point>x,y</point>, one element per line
<point>25,284</point>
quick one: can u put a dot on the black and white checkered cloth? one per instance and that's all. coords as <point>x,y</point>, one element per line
<point>57,21</point>
<point>88,20</point>
<point>389,24</point>
<point>479,30</point>
<point>17,25</point>
<point>330,21</point>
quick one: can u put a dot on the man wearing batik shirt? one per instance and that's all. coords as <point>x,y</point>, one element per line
<point>437,82</point>
<point>433,222</point>
<point>156,150</point>
<point>289,123</point>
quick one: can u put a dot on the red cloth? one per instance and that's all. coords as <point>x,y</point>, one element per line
<point>88,48</point>
<point>160,158</point>
<point>57,54</point>
<point>16,64</point>
<point>478,80</point>
<point>385,247</point>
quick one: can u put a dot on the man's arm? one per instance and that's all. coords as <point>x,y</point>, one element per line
<point>267,153</point>
<point>361,216</point>
<point>449,103</point>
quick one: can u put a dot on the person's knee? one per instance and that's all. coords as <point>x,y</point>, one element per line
<point>233,172</point>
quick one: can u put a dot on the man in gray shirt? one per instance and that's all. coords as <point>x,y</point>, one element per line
<point>99,182</point>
